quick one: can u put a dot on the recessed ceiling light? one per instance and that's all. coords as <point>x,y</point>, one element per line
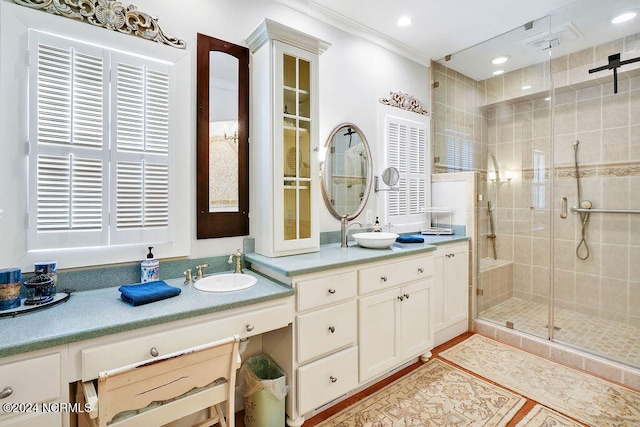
<point>404,21</point>
<point>623,17</point>
<point>526,87</point>
<point>500,60</point>
<point>498,72</point>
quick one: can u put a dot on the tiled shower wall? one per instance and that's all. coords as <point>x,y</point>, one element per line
<point>497,115</point>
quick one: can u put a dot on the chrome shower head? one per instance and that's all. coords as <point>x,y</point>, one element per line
<point>575,145</point>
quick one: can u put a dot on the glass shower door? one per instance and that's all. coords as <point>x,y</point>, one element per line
<point>597,169</point>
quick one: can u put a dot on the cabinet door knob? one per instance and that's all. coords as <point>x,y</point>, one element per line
<point>332,291</point>
<point>249,327</point>
<point>332,329</point>
<point>6,392</point>
<point>154,352</point>
<point>406,296</point>
<point>420,270</point>
<point>401,297</point>
<point>383,278</point>
<point>333,379</point>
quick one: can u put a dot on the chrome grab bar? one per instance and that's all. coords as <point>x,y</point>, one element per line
<point>575,209</point>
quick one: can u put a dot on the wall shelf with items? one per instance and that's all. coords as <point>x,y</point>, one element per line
<point>438,221</point>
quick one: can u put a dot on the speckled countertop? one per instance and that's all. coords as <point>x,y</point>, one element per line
<point>95,313</point>
<point>333,256</point>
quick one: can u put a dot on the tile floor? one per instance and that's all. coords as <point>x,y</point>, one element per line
<point>606,337</point>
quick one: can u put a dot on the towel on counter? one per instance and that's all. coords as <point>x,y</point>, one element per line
<point>144,293</point>
<point>410,239</point>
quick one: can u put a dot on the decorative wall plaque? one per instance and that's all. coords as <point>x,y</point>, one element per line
<point>405,102</point>
<point>107,14</point>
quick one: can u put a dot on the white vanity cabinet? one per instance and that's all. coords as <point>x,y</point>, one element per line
<point>88,358</point>
<point>33,386</point>
<point>394,314</point>
<point>284,139</point>
<point>326,334</point>
<point>352,325</point>
<point>450,291</point>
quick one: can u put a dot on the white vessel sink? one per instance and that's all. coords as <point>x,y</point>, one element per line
<point>225,282</point>
<point>377,240</point>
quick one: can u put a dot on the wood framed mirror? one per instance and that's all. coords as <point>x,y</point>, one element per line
<point>222,138</point>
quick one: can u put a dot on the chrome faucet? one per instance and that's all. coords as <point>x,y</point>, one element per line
<point>238,257</point>
<point>344,230</point>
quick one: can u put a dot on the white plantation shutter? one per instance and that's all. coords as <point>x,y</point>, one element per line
<point>406,145</point>
<point>140,161</point>
<point>80,126</point>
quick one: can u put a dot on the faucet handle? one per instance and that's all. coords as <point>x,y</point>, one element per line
<point>188,277</point>
<point>199,268</point>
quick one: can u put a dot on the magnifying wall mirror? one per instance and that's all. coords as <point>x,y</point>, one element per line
<point>346,172</point>
<point>222,145</point>
<point>390,177</point>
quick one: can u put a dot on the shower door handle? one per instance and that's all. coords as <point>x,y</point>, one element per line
<point>563,209</point>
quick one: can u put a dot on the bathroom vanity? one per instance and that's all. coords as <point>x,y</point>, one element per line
<point>362,313</point>
<point>45,354</point>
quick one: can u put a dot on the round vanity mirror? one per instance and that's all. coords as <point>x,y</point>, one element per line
<point>346,172</point>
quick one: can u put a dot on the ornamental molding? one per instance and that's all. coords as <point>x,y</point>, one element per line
<point>107,14</point>
<point>404,101</point>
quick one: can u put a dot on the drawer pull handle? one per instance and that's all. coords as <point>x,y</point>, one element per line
<point>406,296</point>
<point>154,352</point>
<point>332,329</point>
<point>401,297</point>
<point>333,379</point>
<point>383,278</point>
<point>249,327</point>
<point>6,392</point>
<point>420,270</point>
<point>332,291</point>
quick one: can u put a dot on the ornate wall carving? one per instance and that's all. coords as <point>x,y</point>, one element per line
<point>107,14</point>
<point>404,101</point>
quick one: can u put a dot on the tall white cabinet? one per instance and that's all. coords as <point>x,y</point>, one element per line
<point>450,291</point>
<point>284,139</point>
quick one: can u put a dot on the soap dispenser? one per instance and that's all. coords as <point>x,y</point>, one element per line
<point>377,228</point>
<point>149,268</point>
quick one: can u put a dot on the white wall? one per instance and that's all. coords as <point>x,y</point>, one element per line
<point>354,74</point>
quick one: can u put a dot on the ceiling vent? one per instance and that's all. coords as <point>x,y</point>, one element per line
<point>553,38</point>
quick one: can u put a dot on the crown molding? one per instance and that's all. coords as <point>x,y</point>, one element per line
<point>273,30</point>
<point>342,22</point>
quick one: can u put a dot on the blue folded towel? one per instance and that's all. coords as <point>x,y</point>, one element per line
<point>410,239</point>
<point>144,293</point>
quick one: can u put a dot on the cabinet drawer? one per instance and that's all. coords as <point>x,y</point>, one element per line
<point>391,274</point>
<point>32,380</point>
<point>326,290</point>
<point>49,419</point>
<point>324,380</point>
<point>322,331</point>
<point>133,350</point>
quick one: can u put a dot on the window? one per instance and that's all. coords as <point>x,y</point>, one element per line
<point>407,150</point>
<point>98,146</point>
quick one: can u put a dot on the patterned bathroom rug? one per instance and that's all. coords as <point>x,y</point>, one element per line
<point>540,416</point>
<point>579,395</point>
<point>435,394</point>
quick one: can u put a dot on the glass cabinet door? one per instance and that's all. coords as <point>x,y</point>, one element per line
<point>296,122</point>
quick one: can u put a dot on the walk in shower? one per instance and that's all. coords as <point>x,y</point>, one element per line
<point>555,142</point>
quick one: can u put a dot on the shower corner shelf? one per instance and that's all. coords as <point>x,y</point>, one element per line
<point>439,221</point>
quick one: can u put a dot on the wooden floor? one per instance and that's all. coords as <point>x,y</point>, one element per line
<point>370,390</point>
